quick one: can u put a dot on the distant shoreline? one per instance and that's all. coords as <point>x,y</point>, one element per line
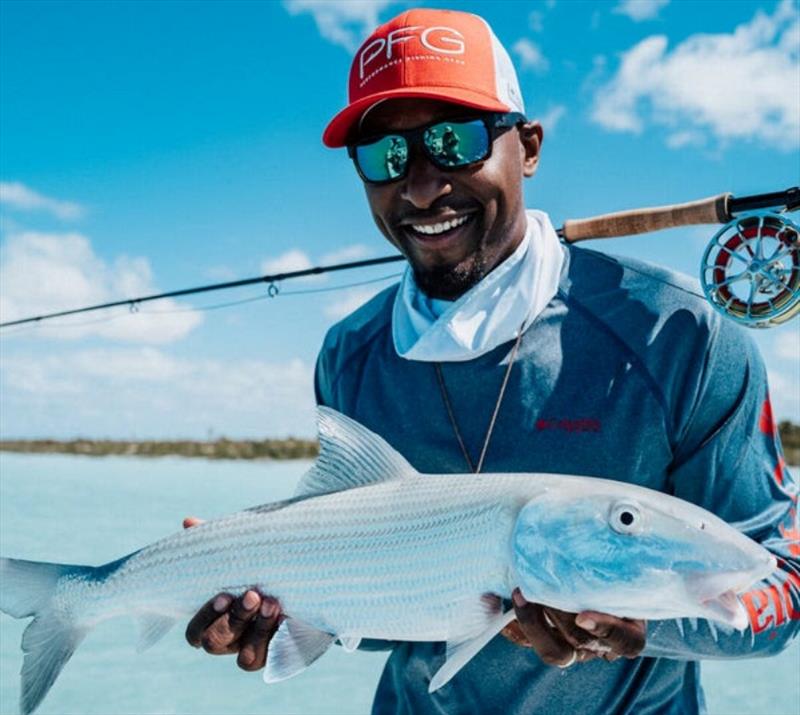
<point>212,449</point>
<point>222,448</point>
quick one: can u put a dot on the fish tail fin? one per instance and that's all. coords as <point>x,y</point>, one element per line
<point>28,588</point>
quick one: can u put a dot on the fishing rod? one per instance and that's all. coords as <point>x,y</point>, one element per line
<point>750,271</point>
<point>271,280</point>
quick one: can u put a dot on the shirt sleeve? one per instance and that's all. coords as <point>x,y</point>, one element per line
<point>729,460</point>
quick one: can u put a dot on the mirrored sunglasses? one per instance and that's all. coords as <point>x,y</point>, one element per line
<point>449,145</point>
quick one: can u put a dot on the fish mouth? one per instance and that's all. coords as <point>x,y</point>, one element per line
<point>717,594</point>
<point>726,608</point>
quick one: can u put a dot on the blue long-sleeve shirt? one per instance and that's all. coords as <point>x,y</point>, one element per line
<point>629,375</point>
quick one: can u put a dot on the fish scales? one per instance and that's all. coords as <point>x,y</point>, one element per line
<point>387,545</point>
<point>373,549</point>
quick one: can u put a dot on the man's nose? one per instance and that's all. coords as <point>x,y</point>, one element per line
<point>424,182</point>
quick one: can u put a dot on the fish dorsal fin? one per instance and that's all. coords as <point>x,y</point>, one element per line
<point>153,628</point>
<point>350,456</point>
<point>459,653</point>
<point>294,647</point>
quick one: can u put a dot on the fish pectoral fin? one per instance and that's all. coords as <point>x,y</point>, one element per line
<point>471,616</point>
<point>350,456</point>
<point>350,643</point>
<point>152,628</point>
<point>294,647</point>
<point>459,653</point>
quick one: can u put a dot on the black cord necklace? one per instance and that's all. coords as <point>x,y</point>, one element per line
<point>446,398</point>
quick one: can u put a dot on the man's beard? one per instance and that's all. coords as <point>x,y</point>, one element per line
<point>450,282</point>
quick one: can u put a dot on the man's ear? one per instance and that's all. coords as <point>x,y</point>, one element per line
<point>531,135</point>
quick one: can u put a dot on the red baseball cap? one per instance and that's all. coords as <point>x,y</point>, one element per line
<point>435,54</point>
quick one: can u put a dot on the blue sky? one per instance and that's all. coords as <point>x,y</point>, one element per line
<point>147,146</point>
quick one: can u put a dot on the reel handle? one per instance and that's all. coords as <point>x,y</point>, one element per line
<point>625,223</point>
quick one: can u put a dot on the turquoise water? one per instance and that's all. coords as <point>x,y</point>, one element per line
<point>90,510</point>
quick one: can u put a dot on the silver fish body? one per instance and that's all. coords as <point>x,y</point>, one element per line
<point>353,563</point>
<point>373,549</point>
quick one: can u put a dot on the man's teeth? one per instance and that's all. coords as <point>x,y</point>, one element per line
<point>433,229</point>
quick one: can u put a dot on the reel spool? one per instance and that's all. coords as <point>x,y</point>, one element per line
<point>750,270</point>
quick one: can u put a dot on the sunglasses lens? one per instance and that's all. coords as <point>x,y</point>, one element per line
<point>452,144</point>
<point>383,160</point>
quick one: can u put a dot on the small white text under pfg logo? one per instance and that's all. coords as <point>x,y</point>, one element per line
<point>441,39</point>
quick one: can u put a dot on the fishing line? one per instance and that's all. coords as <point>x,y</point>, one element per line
<point>270,280</point>
<point>64,326</point>
<point>274,292</point>
<point>351,285</point>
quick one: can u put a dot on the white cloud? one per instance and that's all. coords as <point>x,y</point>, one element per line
<point>144,391</point>
<point>743,85</point>
<point>552,117</point>
<point>536,20</point>
<point>784,395</point>
<point>786,344</point>
<point>73,373</point>
<point>530,55</point>
<point>18,196</point>
<point>342,22</point>
<point>339,304</point>
<point>355,252</point>
<point>297,260</point>
<point>688,137</point>
<point>292,260</point>
<point>49,272</point>
<point>347,301</point>
<point>639,10</point>
<point>780,348</point>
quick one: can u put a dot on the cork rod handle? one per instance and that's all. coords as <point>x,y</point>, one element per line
<point>626,223</point>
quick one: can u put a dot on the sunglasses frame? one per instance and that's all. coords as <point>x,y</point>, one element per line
<point>495,122</point>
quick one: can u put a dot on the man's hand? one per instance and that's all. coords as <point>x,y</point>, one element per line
<point>561,638</point>
<point>243,625</point>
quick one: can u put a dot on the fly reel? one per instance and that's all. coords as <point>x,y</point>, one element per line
<point>750,270</point>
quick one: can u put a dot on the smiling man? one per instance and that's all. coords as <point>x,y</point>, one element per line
<point>455,232</point>
<point>503,350</point>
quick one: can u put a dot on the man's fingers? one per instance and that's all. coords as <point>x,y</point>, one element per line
<point>243,610</point>
<point>209,613</point>
<point>220,623</point>
<point>621,636</point>
<point>547,641</point>
<point>514,633</point>
<point>191,521</point>
<point>256,637</point>
<point>222,635</point>
<point>565,622</point>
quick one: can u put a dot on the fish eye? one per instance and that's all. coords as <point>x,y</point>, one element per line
<point>626,518</point>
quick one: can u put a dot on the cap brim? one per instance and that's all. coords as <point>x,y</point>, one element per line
<point>339,128</point>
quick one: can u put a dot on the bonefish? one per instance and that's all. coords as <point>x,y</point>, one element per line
<point>371,548</point>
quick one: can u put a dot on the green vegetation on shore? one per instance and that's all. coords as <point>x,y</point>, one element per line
<point>790,437</point>
<point>216,449</point>
<point>245,449</point>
